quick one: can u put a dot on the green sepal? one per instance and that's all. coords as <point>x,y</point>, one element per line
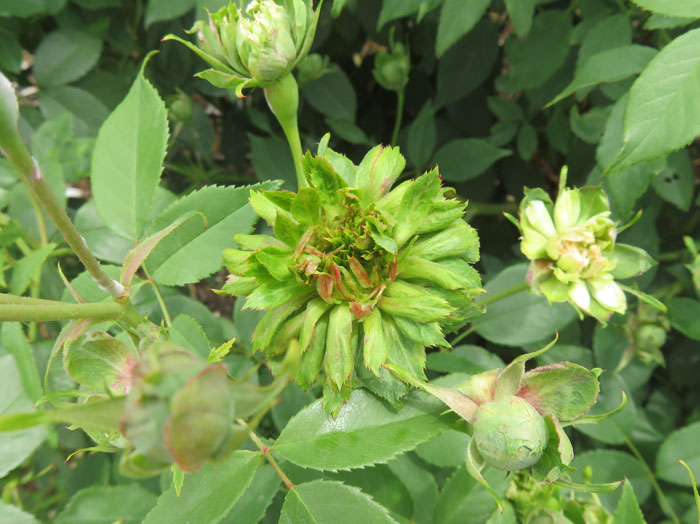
<point>563,389</point>
<point>425,333</point>
<point>312,357</point>
<point>306,207</point>
<point>265,205</point>
<point>333,399</point>
<point>341,344</point>
<point>274,294</point>
<point>135,465</point>
<point>645,297</point>
<point>314,311</point>
<point>607,487</point>
<point>460,239</point>
<point>255,242</point>
<point>375,349</point>
<point>287,332</point>
<point>321,175</point>
<point>276,260</point>
<point>288,230</point>
<point>475,464</point>
<point>557,455</point>
<point>98,360</point>
<point>225,80</point>
<point>272,320</point>
<point>236,261</point>
<point>413,302</point>
<point>440,273</point>
<point>509,379</point>
<point>594,419</point>
<point>236,286</point>
<point>415,206</point>
<point>378,171</point>
<point>631,261</point>
<point>339,162</point>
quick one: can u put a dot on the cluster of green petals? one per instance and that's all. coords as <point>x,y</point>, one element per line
<point>572,247</point>
<point>255,46</point>
<point>360,274</point>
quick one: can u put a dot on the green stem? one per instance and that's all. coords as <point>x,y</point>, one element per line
<point>663,502</point>
<point>34,180</point>
<point>161,302</point>
<point>283,100</point>
<point>265,450</point>
<point>399,115</point>
<point>60,311</point>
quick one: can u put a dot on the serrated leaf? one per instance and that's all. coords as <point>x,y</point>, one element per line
<point>682,8</point>
<point>329,502</point>
<point>208,494</point>
<point>457,18</point>
<point>663,111</point>
<point>628,511</point>
<point>608,66</point>
<point>251,507</point>
<point>366,430</point>
<point>128,159</point>
<point>193,251</point>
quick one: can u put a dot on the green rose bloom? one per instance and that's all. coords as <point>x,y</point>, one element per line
<point>572,246</point>
<point>360,274</point>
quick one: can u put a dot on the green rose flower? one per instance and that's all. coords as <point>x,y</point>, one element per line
<point>571,244</point>
<point>360,274</point>
<point>255,46</point>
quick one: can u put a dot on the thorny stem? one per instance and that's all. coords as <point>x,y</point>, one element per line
<point>399,115</point>
<point>265,450</point>
<point>34,180</point>
<point>663,502</point>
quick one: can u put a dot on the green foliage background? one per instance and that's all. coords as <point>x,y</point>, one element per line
<point>501,94</point>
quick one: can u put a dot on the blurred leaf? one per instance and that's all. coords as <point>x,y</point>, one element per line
<point>128,160</point>
<point>521,13</point>
<point>447,450</point>
<point>186,332</point>
<point>26,267</point>
<point>467,64</point>
<point>348,131</point>
<point>684,314</point>
<point>64,56</point>
<point>462,495</point>
<point>87,111</point>
<point>106,504</point>
<point>535,58</point>
<point>160,10</point>
<point>610,465</point>
<point>422,136</point>
<point>309,504</point>
<point>589,126</point>
<point>522,318</point>
<point>608,66</point>
<point>676,183</point>
<point>457,18</point>
<point>332,95</point>
<point>104,243</point>
<point>607,33</point>
<point>10,514</point>
<point>393,9</point>
<point>420,484</point>
<point>679,445</point>
<point>10,52</point>
<point>367,431</point>
<point>16,344</point>
<point>689,8</point>
<point>466,158</point>
<point>208,494</point>
<point>272,160</point>
<point>663,103</point>
<point>15,446</point>
<point>526,143</point>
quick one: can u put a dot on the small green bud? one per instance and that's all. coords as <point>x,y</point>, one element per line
<point>510,434</point>
<point>391,69</point>
<point>180,108</point>
<point>311,68</point>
